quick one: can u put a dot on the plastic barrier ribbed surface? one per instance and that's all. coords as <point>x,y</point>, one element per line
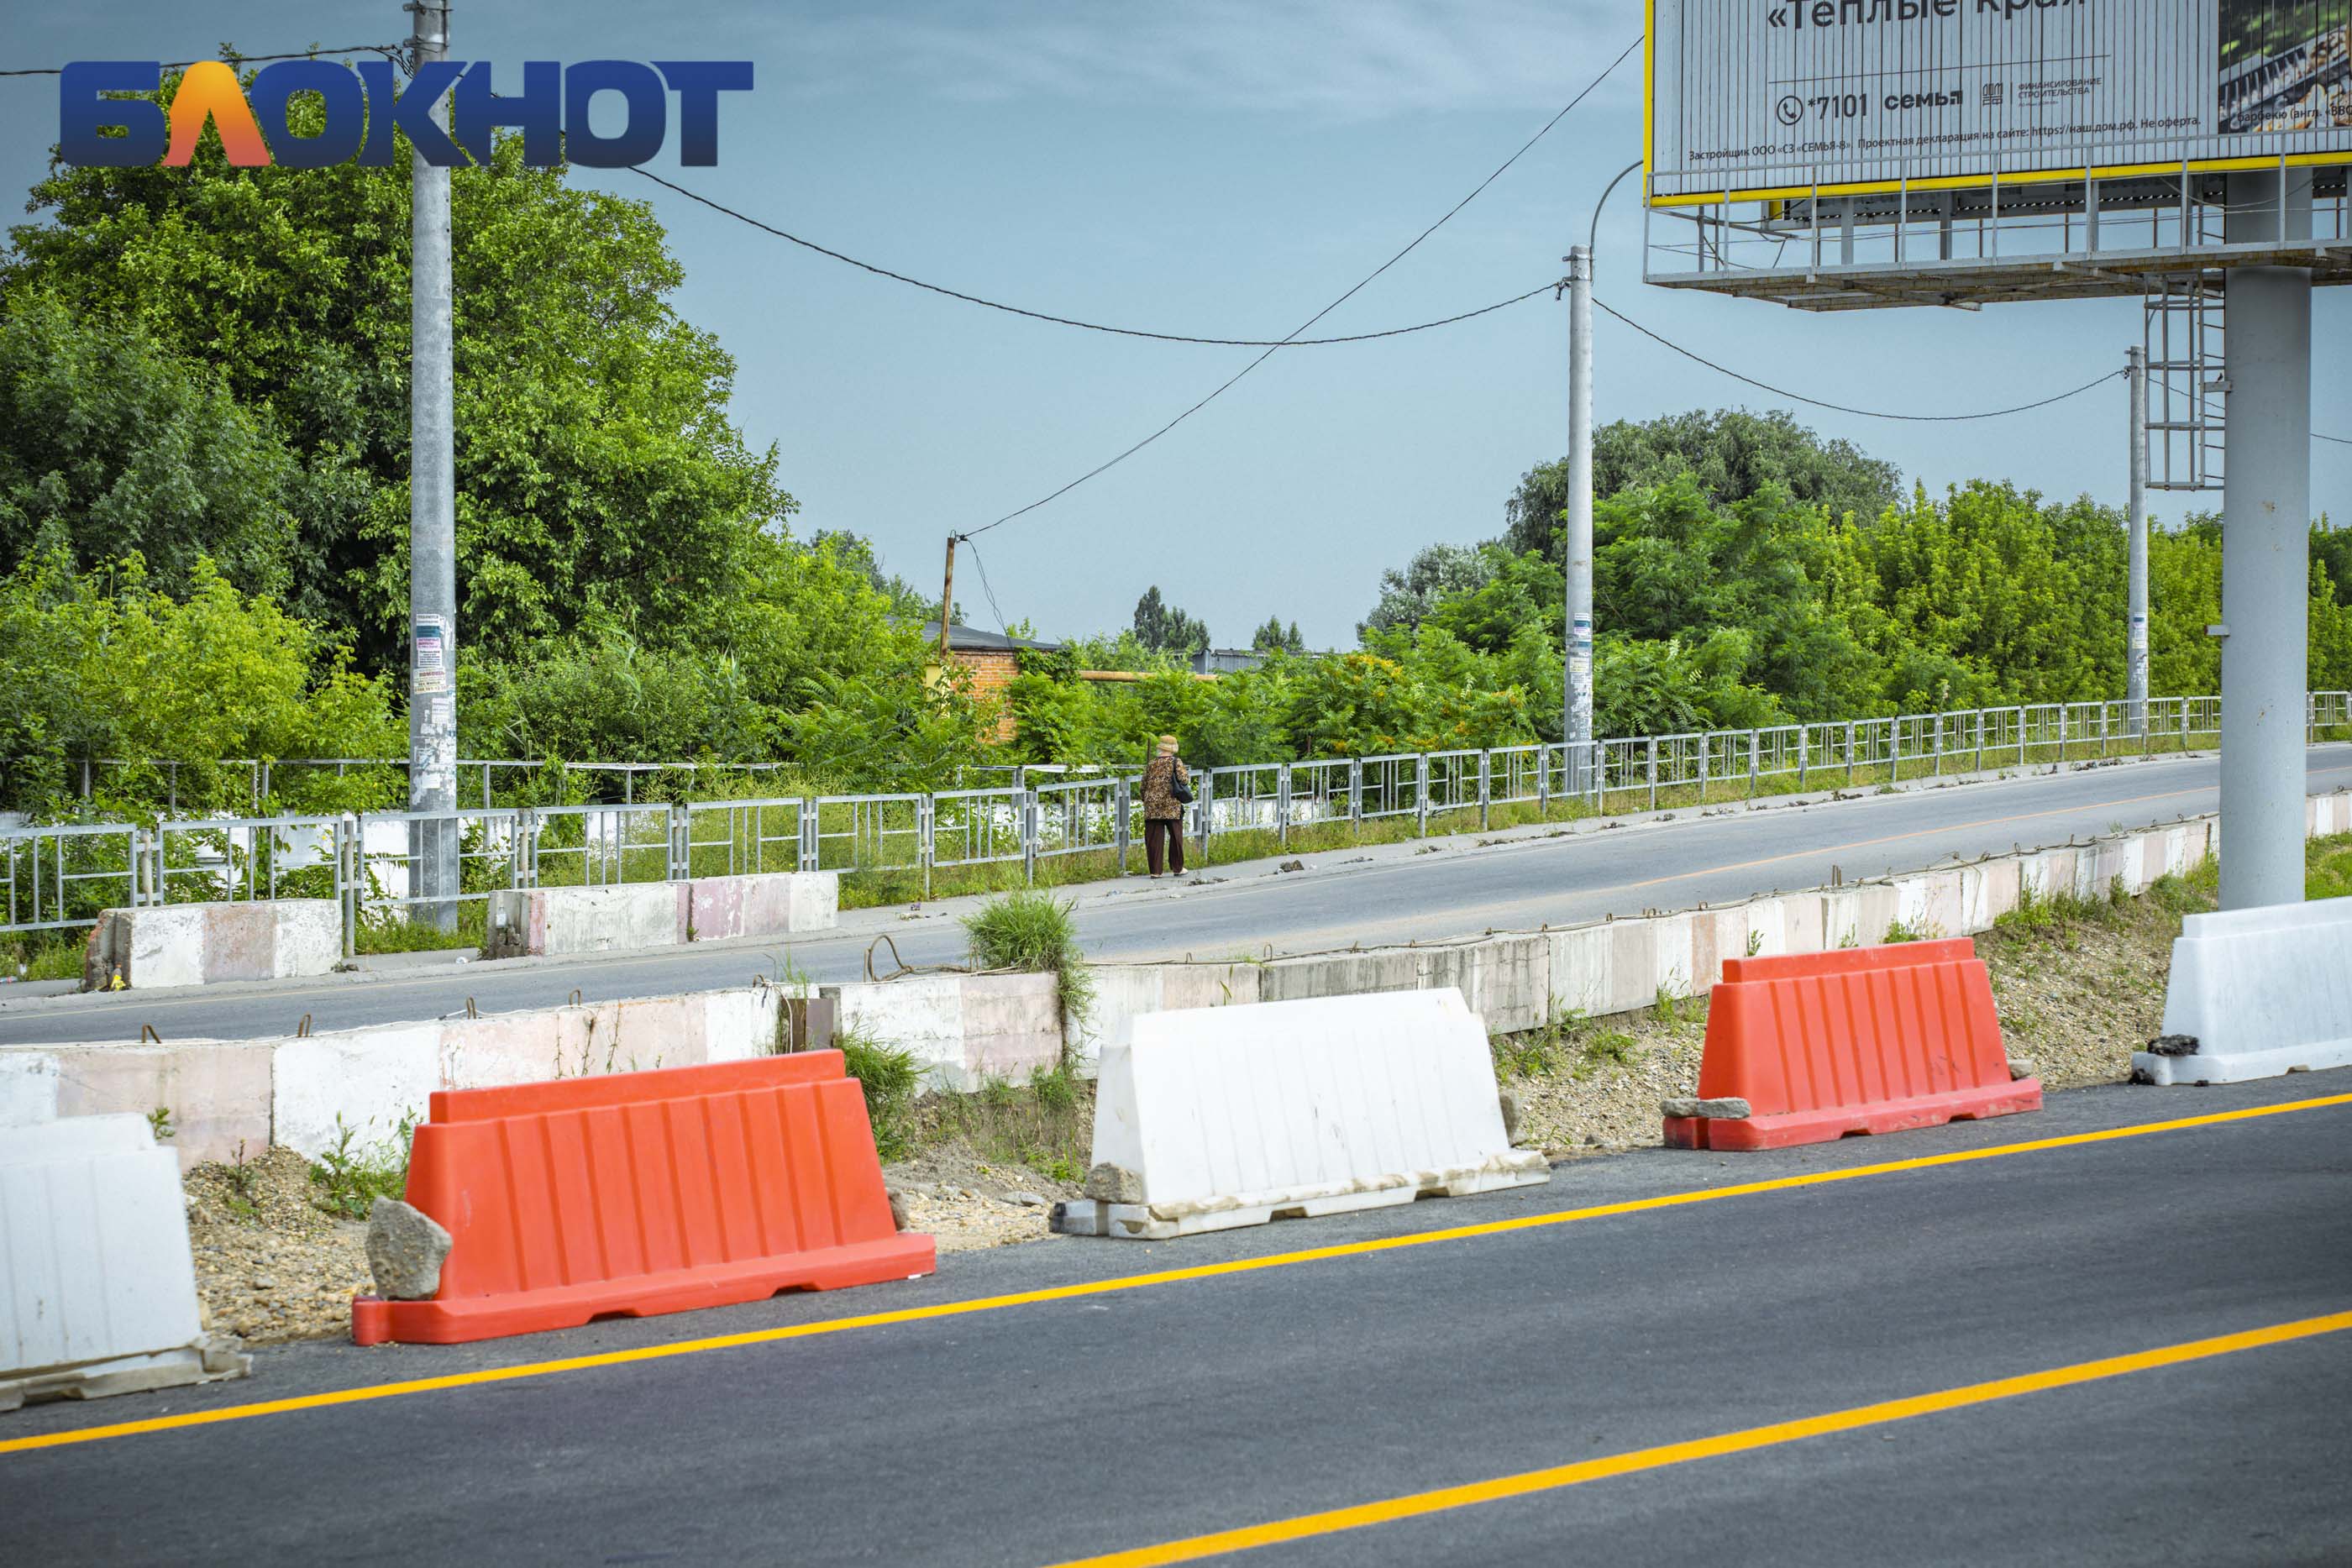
<point>2262,992</point>
<point>97,1294</point>
<point>640,1193</point>
<point>1218,1117</point>
<point>1863,1039</point>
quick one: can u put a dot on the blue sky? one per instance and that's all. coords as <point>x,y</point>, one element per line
<point>1215,168</point>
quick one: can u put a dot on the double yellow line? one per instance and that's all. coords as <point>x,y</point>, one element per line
<point>330,1399</point>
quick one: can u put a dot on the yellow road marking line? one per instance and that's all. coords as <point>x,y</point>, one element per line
<point>1526,1482</point>
<point>1129,1281</point>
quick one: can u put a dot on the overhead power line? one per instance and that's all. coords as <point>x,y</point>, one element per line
<point>1293,342</point>
<point>1844,408</point>
<point>390,51</point>
<point>2339,440</point>
<point>1351,292</point>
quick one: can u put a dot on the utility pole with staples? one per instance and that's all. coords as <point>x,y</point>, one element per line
<point>432,518</point>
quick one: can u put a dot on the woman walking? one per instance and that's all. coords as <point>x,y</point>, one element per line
<point>1166,788</point>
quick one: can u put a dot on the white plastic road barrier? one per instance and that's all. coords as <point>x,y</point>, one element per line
<point>2261,991</point>
<point>1217,1117</point>
<point>97,1294</point>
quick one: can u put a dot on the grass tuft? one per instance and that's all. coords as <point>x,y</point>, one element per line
<point>1033,932</point>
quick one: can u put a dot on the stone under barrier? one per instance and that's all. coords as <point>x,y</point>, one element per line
<point>965,1029</point>
<point>543,921</point>
<point>203,944</point>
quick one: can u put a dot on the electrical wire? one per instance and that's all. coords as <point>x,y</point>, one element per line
<point>985,586</point>
<point>1225,385</point>
<point>1842,408</point>
<point>2339,440</point>
<point>1293,342</point>
<point>390,51</point>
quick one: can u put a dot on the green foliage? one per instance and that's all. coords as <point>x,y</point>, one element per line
<point>104,664</point>
<point>1032,931</point>
<point>349,1179</point>
<point>2328,868</point>
<point>1275,637</point>
<point>1904,931</point>
<point>891,1079</point>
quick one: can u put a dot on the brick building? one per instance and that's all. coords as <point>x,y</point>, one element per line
<point>992,659</point>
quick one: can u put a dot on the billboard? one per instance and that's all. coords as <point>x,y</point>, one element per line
<point>1760,99</point>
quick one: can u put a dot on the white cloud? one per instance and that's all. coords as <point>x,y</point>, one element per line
<point>1358,59</point>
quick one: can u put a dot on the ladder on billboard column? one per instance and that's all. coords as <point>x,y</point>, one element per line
<point>2181,320</point>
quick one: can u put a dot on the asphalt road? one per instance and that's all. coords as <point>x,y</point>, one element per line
<point>1128,1413</point>
<point>1390,893</point>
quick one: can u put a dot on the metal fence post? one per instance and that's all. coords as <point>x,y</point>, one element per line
<point>1849,755</point>
<point>807,825</point>
<point>1705,747</point>
<point>1029,836</point>
<point>1938,746</point>
<point>681,834</point>
<point>1755,749</point>
<point>1484,787</point>
<point>1654,773</point>
<point>1420,793</point>
<point>2062,739</point>
<point>1980,729</point>
<point>926,817</point>
<point>1804,752</point>
<point>1543,781</point>
<point>1118,807</point>
<point>1204,811</point>
<point>1355,797</point>
<point>1282,803</point>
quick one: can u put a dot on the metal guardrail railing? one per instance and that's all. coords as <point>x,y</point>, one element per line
<point>61,875</point>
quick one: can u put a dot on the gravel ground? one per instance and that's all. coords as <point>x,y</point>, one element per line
<point>970,1203</point>
<point>270,1265</point>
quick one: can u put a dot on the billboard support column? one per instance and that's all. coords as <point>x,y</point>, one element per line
<point>1576,688</point>
<point>2265,547</point>
<point>2136,530</point>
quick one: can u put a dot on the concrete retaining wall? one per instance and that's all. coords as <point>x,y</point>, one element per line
<point>968,1028</point>
<point>231,1097</point>
<point>541,922</point>
<point>200,944</point>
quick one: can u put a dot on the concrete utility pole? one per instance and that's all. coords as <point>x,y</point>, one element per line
<point>1577,716</point>
<point>2265,546</point>
<point>432,518</point>
<point>2136,525</point>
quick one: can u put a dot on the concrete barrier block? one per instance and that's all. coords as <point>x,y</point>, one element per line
<point>369,1078</point>
<point>1672,965</point>
<point>310,937</point>
<point>772,903</point>
<point>1231,1116</point>
<point>1506,980</point>
<point>1998,881</point>
<point>1012,1027</point>
<point>1716,935</point>
<point>28,1086</point>
<point>1581,969</point>
<point>163,946</point>
<point>217,1092</point>
<point>1123,993</point>
<point>1341,975</point>
<point>652,1032</point>
<point>240,941</point>
<point>1801,924</point>
<point>1633,966</point>
<point>2261,991</point>
<point>738,1025</point>
<point>1767,921</point>
<point>1210,984</point>
<point>99,1291</point>
<point>922,1015</point>
<point>547,922</point>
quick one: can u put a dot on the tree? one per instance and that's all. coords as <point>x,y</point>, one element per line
<point>1272,638</point>
<point>109,447</point>
<point>1435,573</point>
<point>1165,628</point>
<point>1731,452</point>
<point>599,478</point>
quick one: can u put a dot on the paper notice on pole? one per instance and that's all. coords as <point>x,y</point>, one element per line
<point>428,655</point>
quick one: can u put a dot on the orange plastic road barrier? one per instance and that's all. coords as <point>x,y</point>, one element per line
<point>640,1193</point>
<point>1863,1039</point>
